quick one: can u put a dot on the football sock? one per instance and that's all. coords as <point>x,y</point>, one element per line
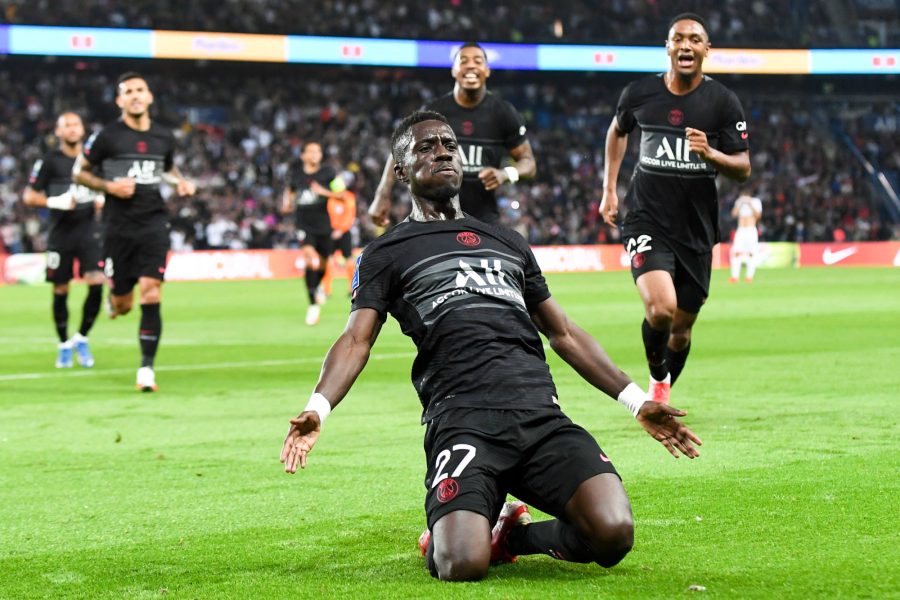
<point>429,559</point>
<point>676,360</point>
<point>312,282</point>
<point>736,261</point>
<point>751,266</point>
<point>91,308</point>
<point>655,348</point>
<point>553,538</point>
<point>61,315</point>
<point>151,329</point>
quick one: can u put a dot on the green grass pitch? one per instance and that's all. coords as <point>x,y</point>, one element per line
<point>108,493</point>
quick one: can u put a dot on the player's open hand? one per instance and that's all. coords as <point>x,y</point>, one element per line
<point>659,420</point>
<point>122,188</point>
<point>185,188</point>
<point>609,207</point>
<point>492,178</point>
<point>697,142</point>
<point>301,437</point>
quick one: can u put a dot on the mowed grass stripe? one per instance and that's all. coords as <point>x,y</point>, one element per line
<point>109,493</point>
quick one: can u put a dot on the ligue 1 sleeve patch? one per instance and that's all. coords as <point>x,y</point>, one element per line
<point>90,142</point>
<point>34,171</point>
<point>354,285</point>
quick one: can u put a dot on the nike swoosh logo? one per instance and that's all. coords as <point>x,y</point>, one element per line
<point>833,258</point>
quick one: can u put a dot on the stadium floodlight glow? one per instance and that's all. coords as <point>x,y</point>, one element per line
<point>146,43</point>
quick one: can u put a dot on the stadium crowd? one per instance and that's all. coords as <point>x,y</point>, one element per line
<point>240,129</point>
<point>785,23</point>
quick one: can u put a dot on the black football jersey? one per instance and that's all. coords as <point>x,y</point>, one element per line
<point>485,133</point>
<point>311,209</point>
<point>463,291</point>
<point>672,189</point>
<point>120,151</point>
<point>52,175</point>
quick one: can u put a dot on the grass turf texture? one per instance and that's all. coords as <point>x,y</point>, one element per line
<point>108,493</point>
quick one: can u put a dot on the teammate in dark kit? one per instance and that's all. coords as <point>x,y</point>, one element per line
<point>73,235</point>
<point>487,127</point>
<point>472,298</point>
<point>692,127</point>
<point>132,157</point>
<point>307,195</point>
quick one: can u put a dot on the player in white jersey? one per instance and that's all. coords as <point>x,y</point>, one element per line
<point>745,249</point>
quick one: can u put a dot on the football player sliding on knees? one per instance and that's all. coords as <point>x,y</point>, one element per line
<point>473,299</point>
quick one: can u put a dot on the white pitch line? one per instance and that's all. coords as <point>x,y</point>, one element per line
<point>75,372</point>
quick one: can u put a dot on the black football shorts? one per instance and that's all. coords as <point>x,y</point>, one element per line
<point>322,242</point>
<point>690,271</point>
<point>130,256</point>
<point>81,242</point>
<point>475,457</point>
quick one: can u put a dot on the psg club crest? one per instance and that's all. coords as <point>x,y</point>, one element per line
<point>447,490</point>
<point>637,261</point>
<point>468,128</point>
<point>468,238</point>
<point>141,147</point>
<point>676,117</point>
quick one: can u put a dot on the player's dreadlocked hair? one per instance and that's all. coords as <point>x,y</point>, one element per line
<point>401,137</point>
<point>689,16</point>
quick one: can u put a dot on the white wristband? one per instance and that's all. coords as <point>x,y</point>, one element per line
<point>61,202</point>
<point>512,174</point>
<point>632,398</point>
<point>320,404</point>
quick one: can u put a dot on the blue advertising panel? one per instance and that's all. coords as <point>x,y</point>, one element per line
<point>500,56</point>
<point>351,51</point>
<point>637,59</point>
<point>861,62</point>
<point>80,41</point>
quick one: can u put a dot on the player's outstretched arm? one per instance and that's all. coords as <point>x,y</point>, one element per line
<point>380,210</point>
<point>343,364</point>
<point>587,357</point>
<point>581,351</point>
<point>616,145</point>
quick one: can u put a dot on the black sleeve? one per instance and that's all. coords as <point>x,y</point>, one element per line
<point>536,290</point>
<point>169,160</point>
<point>512,126</point>
<point>624,114</point>
<point>96,148</point>
<point>373,282</point>
<point>733,134</point>
<point>40,176</point>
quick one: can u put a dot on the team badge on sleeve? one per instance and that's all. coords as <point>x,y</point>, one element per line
<point>354,285</point>
<point>89,143</point>
<point>35,170</point>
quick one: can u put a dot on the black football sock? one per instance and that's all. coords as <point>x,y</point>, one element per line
<point>655,348</point>
<point>429,559</point>
<point>676,361</point>
<point>91,308</point>
<point>553,538</point>
<point>61,315</point>
<point>312,282</point>
<point>151,329</point>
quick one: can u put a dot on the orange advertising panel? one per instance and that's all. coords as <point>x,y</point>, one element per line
<point>732,60</point>
<point>220,46</point>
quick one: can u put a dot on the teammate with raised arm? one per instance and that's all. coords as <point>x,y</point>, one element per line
<point>133,156</point>
<point>488,129</point>
<point>73,235</point>
<point>745,246</point>
<point>692,127</point>
<point>473,299</point>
